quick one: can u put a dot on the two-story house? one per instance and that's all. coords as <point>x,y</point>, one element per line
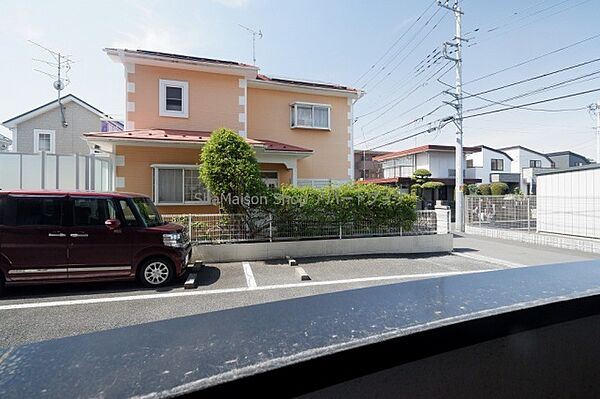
<point>490,165</point>
<point>364,165</point>
<point>48,128</point>
<point>526,163</point>
<point>398,168</point>
<point>301,131</point>
<point>567,159</point>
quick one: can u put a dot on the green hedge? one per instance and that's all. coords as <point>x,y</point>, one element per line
<point>484,189</point>
<point>499,188</point>
<point>350,203</point>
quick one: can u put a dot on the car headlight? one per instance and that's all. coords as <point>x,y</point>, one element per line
<point>173,240</point>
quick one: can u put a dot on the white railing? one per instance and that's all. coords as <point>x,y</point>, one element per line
<point>224,228</point>
<point>513,212</point>
<point>55,171</point>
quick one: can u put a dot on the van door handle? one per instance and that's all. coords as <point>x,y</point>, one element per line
<point>57,235</point>
<point>78,235</point>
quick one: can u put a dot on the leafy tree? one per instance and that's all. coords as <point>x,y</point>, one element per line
<point>229,169</point>
<point>421,182</point>
<point>499,188</point>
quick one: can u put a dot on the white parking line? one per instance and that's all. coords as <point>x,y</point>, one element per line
<point>250,281</point>
<point>487,259</point>
<point>225,290</point>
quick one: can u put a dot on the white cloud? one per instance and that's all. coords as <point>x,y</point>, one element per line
<point>153,37</point>
<point>20,22</point>
<point>233,3</point>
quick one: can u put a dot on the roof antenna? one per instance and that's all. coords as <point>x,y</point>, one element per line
<point>61,79</point>
<point>254,34</point>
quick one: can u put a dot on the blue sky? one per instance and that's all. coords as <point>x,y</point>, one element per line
<point>334,41</point>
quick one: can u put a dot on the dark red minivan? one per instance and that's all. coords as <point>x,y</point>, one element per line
<point>58,236</point>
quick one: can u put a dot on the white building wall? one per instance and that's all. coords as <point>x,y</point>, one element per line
<point>440,163</point>
<point>567,203</point>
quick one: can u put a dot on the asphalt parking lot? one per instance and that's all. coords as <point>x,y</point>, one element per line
<point>35,313</point>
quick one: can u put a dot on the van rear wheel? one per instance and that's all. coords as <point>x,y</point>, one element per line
<point>156,272</point>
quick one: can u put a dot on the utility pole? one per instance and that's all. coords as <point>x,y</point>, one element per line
<point>254,34</point>
<point>457,104</point>
<point>596,109</point>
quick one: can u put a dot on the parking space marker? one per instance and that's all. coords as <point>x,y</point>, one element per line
<point>250,281</point>
<point>488,259</point>
<point>163,295</point>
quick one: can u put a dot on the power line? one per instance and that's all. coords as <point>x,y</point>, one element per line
<point>533,59</point>
<point>410,52</point>
<point>532,103</point>
<point>395,43</point>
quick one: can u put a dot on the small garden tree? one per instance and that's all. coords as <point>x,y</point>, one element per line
<point>499,188</point>
<point>472,189</point>
<point>421,182</point>
<point>229,169</point>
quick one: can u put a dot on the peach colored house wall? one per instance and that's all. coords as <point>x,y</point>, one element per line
<point>269,118</point>
<point>213,99</point>
<point>138,172</point>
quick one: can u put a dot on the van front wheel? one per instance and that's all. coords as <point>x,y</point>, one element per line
<point>156,272</point>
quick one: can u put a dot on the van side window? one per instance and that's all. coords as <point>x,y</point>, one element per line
<point>38,211</point>
<point>130,219</point>
<point>93,211</point>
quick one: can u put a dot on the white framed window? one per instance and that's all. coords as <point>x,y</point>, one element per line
<point>43,140</point>
<point>173,98</point>
<point>270,178</point>
<point>178,185</point>
<point>310,116</point>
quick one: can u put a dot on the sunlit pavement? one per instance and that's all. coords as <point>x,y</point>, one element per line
<point>37,313</point>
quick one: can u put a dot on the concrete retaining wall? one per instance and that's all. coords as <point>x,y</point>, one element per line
<point>551,240</point>
<point>313,248</point>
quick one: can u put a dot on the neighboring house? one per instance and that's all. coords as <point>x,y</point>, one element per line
<point>5,143</point>
<point>491,165</point>
<point>365,167</point>
<point>567,159</point>
<point>526,163</point>
<point>42,128</point>
<point>398,168</point>
<point>301,131</point>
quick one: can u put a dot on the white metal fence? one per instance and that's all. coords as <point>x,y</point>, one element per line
<point>577,216</point>
<point>514,212</point>
<point>223,228</point>
<point>54,171</point>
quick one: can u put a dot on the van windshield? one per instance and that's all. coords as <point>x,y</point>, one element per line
<point>148,211</point>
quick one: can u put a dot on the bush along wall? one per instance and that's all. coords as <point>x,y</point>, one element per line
<point>309,210</point>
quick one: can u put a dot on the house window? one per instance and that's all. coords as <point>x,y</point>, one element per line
<point>469,163</point>
<point>497,164</point>
<point>178,185</point>
<point>535,163</point>
<point>271,179</point>
<point>43,140</point>
<point>173,98</point>
<point>310,116</point>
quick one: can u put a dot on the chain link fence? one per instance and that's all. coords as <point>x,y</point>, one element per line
<point>227,228</point>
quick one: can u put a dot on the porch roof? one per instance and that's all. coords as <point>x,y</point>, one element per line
<point>174,136</point>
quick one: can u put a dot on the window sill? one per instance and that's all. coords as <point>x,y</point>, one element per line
<point>173,115</point>
<point>310,128</point>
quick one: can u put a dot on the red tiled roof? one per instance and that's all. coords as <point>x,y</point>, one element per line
<point>423,148</point>
<point>188,136</point>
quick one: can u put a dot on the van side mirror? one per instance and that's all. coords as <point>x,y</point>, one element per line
<point>112,224</point>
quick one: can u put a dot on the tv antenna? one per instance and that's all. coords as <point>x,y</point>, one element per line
<point>254,35</point>
<point>62,64</point>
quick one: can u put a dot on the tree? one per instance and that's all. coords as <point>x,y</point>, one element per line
<point>422,182</point>
<point>228,168</point>
<point>472,189</point>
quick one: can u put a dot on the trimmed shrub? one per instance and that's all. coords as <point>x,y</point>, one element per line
<point>433,185</point>
<point>484,189</point>
<point>378,205</point>
<point>472,189</point>
<point>499,188</point>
